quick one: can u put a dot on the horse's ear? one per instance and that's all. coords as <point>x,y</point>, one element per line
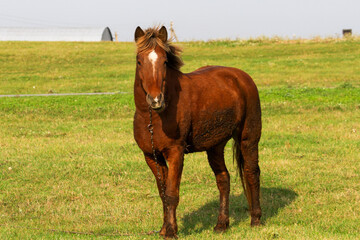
<point>163,35</point>
<point>138,33</point>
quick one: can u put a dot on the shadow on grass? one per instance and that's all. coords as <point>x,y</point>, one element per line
<point>205,218</point>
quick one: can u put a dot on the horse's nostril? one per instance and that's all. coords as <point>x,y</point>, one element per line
<point>149,97</point>
<point>157,102</point>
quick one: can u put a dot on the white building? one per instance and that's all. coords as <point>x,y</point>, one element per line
<point>56,34</point>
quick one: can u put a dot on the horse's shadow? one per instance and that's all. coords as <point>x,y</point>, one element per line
<point>205,218</point>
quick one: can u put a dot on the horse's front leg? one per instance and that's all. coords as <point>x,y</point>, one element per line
<point>175,158</point>
<point>160,171</point>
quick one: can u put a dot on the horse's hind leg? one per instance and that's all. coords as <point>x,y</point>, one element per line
<point>217,163</point>
<point>249,140</point>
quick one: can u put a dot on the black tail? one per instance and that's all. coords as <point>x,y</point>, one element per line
<point>237,155</point>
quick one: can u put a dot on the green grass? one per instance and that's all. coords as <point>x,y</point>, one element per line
<point>70,163</point>
<point>36,67</point>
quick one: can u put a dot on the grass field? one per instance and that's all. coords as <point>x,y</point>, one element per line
<point>70,165</point>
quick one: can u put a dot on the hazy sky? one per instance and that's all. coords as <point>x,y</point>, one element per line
<point>193,19</point>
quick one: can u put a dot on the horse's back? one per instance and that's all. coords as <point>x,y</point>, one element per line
<point>207,74</point>
<point>222,82</point>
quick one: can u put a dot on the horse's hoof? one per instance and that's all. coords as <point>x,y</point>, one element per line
<point>220,228</point>
<point>171,237</point>
<point>162,231</point>
<point>168,232</point>
<point>255,222</point>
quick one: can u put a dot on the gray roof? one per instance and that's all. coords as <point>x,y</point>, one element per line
<point>56,34</point>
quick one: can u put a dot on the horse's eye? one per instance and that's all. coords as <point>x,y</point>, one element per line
<point>139,63</point>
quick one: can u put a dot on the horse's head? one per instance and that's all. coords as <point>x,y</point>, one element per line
<point>152,65</point>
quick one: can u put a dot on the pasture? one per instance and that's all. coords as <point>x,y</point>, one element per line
<point>69,164</point>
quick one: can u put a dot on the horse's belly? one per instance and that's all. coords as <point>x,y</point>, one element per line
<point>211,129</point>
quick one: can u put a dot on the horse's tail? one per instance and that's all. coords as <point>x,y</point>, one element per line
<point>237,155</point>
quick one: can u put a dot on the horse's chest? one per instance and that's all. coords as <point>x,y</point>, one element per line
<point>166,132</point>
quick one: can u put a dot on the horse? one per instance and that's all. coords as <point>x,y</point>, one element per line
<point>179,113</point>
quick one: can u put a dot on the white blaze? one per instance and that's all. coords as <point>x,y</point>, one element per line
<point>152,58</point>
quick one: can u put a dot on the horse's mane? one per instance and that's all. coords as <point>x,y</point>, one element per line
<point>151,39</point>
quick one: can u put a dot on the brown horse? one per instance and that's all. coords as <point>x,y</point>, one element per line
<point>179,113</point>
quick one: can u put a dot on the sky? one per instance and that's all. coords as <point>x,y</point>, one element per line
<point>193,19</point>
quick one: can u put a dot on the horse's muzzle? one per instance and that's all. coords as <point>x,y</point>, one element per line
<point>157,103</point>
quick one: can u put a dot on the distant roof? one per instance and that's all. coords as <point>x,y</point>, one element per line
<point>56,34</point>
